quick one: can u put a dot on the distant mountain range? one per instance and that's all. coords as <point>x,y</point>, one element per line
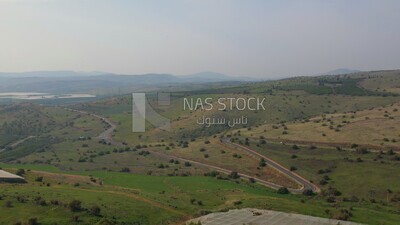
<point>48,74</point>
<point>340,72</point>
<point>197,77</point>
<point>73,82</point>
<point>68,82</point>
<point>210,76</point>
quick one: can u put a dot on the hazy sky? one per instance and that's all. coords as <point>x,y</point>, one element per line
<point>248,37</point>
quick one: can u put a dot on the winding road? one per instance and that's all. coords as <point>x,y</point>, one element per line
<point>107,134</point>
<point>299,179</point>
<point>305,184</point>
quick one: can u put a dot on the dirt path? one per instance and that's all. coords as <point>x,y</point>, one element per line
<point>129,195</point>
<point>344,145</point>
<point>107,136</point>
<point>15,144</point>
<point>301,180</point>
<point>87,179</point>
<point>219,169</point>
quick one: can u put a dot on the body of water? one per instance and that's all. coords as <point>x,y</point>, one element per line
<point>37,95</point>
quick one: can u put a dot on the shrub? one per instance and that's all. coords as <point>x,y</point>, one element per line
<point>33,221</point>
<point>55,202</point>
<point>95,210</point>
<point>125,170</point>
<point>237,203</point>
<point>40,201</point>
<point>283,191</point>
<point>75,218</point>
<point>39,179</point>
<point>362,151</point>
<point>331,199</point>
<point>105,221</point>
<point>212,174</point>
<point>344,214</point>
<point>262,162</point>
<point>75,206</point>
<point>323,182</point>
<point>8,204</point>
<point>21,199</point>
<point>20,172</point>
<point>308,192</point>
<point>234,175</point>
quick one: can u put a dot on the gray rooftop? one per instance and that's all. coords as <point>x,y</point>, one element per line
<point>4,174</point>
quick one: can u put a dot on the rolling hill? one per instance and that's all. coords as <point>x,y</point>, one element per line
<point>336,132</point>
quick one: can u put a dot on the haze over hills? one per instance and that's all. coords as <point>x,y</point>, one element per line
<point>71,81</point>
<point>216,77</point>
<point>100,83</point>
<point>340,71</point>
<point>61,73</point>
<point>201,76</point>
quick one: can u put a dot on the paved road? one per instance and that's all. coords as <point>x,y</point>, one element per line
<point>107,136</point>
<point>299,179</point>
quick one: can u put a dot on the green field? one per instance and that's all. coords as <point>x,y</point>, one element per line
<point>154,199</point>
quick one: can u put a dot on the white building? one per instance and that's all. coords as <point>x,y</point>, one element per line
<point>6,177</point>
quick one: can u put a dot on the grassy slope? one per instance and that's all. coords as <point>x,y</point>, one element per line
<point>223,156</point>
<point>387,82</point>
<point>158,199</point>
<point>377,127</point>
